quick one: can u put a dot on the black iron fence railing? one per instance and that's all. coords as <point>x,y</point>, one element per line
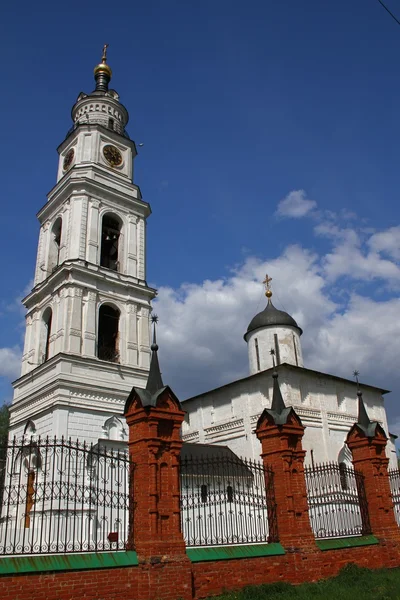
<point>227,500</point>
<point>63,496</point>
<point>337,501</point>
<point>394,479</point>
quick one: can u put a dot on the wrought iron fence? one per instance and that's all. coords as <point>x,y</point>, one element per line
<point>227,500</point>
<point>394,479</point>
<point>63,496</point>
<point>337,501</point>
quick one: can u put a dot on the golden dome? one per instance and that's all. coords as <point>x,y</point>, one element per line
<point>103,68</point>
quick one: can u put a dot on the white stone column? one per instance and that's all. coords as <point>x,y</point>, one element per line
<point>131,266</point>
<point>77,228</point>
<point>35,340</point>
<point>40,263</point>
<point>74,326</point>
<point>93,242</point>
<point>28,350</point>
<point>64,232</point>
<point>144,338</point>
<point>57,339</point>
<point>141,271</point>
<point>132,339</point>
<point>89,324</point>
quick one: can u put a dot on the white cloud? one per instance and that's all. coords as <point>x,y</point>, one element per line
<point>295,205</point>
<point>387,241</point>
<point>202,325</point>
<point>10,362</point>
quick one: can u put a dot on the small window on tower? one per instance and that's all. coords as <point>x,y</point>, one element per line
<point>111,123</point>
<point>110,235</point>
<point>107,348</point>
<point>257,354</point>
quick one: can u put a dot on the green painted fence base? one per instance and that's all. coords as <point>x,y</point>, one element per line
<point>349,542</point>
<point>66,562</point>
<point>227,552</point>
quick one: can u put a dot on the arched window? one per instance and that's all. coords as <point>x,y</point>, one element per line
<point>30,430</point>
<point>108,342</point>
<point>110,234</point>
<point>114,428</point>
<point>345,460</point>
<point>55,245</point>
<point>46,333</point>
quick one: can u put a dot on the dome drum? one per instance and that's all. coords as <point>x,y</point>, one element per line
<point>94,110</point>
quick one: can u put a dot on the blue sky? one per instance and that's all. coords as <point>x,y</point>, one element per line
<point>239,105</point>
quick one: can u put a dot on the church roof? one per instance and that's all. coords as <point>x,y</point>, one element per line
<point>199,458</point>
<point>271,317</point>
<point>282,367</point>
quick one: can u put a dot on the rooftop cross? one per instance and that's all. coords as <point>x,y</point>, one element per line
<point>267,283</point>
<point>104,57</point>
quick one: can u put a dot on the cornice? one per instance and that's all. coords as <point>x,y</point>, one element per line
<point>90,274</point>
<point>75,183</point>
<point>69,380</point>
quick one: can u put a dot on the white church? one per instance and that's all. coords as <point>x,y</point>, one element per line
<point>87,341</point>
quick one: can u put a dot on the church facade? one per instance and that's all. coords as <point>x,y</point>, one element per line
<point>87,341</point>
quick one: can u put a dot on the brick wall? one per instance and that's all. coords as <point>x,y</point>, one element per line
<point>156,580</point>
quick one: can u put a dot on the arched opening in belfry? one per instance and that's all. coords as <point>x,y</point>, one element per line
<point>110,238</point>
<point>108,338</point>
<point>45,334</point>
<point>55,245</point>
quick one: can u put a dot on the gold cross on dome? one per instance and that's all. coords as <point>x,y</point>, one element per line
<point>267,282</point>
<point>104,57</point>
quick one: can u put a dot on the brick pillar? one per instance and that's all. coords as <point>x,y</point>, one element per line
<point>154,447</point>
<point>370,459</point>
<point>282,450</point>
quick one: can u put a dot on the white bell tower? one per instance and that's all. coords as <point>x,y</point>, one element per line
<point>87,323</point>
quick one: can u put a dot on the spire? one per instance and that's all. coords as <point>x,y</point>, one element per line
<point>154,382</point>
<point>363,420</point>
<point>278,405</point>
<point>102,73</point>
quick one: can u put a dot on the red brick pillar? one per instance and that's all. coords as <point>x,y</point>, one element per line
<point>369,457</point>
<point>282,450</point>
<point>154,447</point>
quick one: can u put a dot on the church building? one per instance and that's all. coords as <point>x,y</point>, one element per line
<point>87,341</point>
<point>326,404</point>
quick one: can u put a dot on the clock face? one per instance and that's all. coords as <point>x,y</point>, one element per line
<point>69,157</point>
<point>112,155</point>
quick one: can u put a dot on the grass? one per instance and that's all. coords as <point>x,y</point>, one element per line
<point>352,583</point>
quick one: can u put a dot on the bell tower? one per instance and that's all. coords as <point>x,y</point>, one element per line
<point>87,322</point>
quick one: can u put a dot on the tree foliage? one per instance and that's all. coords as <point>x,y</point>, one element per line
<point>4,423</point>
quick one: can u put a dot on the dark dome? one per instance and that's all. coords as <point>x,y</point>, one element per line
<point>271,317</point>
